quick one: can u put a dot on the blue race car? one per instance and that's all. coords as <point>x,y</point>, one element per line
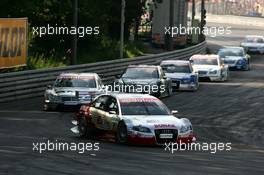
<point>182,75</point>
<point>235,58</point>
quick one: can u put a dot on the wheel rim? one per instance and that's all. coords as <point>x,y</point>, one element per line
<point>45,107</point>
<point>169,91</point>
<point>196,87</point>
<point>81,126</point>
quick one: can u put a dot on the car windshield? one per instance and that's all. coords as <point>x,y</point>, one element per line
<point>228,52</point>
<point>88,82</point>
<point>141,73</point>
<point>204,61</point>
<point>152,107</point>
<point>172,68</point>
<point>254,40</point>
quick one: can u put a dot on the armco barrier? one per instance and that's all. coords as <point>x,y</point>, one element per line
<point>32,83</point>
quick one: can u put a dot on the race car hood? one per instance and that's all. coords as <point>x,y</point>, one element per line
<point>233,58</point>
<point>154,122</point>
<point>130,81</point>
<point>252,44</point>
<point>205,67</point>
<point>66,91</point>
<point>178,75</point>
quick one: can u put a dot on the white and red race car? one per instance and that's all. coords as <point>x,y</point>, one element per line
<point>133,118</point>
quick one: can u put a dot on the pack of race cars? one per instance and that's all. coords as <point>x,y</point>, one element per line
<point>132,111</point>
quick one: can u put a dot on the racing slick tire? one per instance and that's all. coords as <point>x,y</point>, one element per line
<point>247,67</point>
<point>47,107</point>
<point>121,135</point>
<point>86,130</point>
<point>196,87</point>
<point>169,91</point>
<point>157,94</point>
<point>225,77</point>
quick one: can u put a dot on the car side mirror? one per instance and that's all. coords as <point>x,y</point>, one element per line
<point>174,112</point>
<point>49,86</point>
<point>247,56</point>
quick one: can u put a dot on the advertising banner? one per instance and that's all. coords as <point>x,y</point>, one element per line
<point>13,42</point>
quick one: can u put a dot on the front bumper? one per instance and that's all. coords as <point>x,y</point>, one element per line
<point>254,49</point>
<point>238,67</point>
<point>152,140</point>
<point>211,77</point>
<point>180,85</point>
<point>206,75</point>
<point>241,64</point>
<point>141,140</point>
<point>66,103</point>
<point>190,86</point>
<point>186,139</point>
<point>215,78</point>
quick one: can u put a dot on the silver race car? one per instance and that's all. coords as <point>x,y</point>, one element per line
<point>181,74</point>
<point>144,79</point>
<point>235,58</point>
<point>254,44</point>
<point>210,67</point>
<point>72,89</point>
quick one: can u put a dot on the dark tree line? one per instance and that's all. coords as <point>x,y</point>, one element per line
<point>102,13</point>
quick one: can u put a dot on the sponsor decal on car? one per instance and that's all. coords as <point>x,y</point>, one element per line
<point>164,126</point>
<point>129,100</point>
<point>152,121</point>
<point>76,77</point>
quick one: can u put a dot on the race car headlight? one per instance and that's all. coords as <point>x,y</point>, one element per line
<point>213,72</point>
<point>192,78</point>
<point>242,61</point>
<point>186,80</point>
<point>53,97</point>
<point>141,129</point>
<point>185,128</point>
<point>86,97</point>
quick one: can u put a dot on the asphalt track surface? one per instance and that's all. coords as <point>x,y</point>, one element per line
<point>230,111</point>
